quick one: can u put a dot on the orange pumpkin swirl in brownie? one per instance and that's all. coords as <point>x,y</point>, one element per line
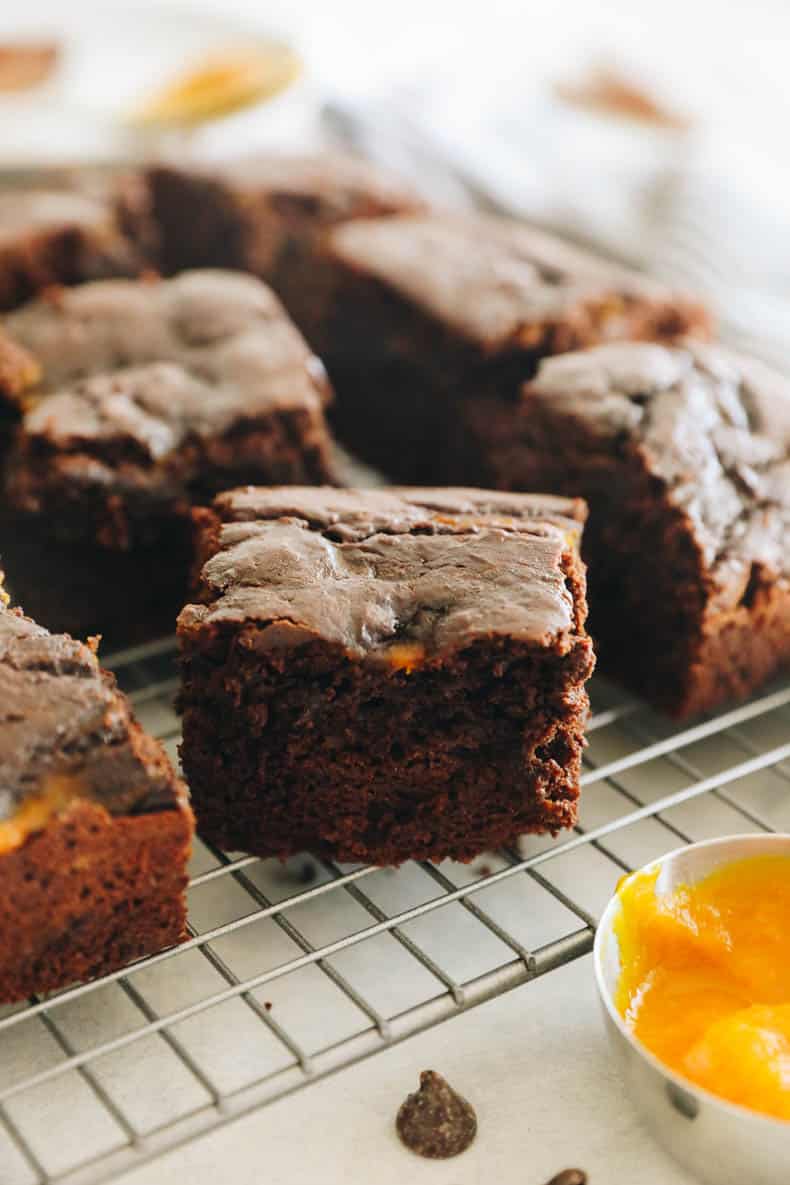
<point>152,396</point>
<point>95,828</point>
<point>385,674</point>
<point>433,317</point>
<point>684,458</point>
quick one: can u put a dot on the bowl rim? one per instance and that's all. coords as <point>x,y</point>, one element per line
<point>605,928</point>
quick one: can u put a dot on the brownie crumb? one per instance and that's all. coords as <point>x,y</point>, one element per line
<point>267,1005</point>
<point>435,1121</point>
<point>569,1177</point>
<point>484,870</point>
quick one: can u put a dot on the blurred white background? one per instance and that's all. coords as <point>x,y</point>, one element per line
<point>462,91</point>
<point>735,52</point>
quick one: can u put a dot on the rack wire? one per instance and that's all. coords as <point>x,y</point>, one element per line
<point>294,971</point>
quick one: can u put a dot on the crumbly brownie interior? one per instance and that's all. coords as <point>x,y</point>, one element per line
<point>88,894</point>
<point>445,761</point>
<point>408,703</point>
<point>688,576</point>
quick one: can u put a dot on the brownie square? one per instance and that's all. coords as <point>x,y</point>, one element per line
<point>266,214</point>
<point>152,396</point>
<point>431,313</point>
<point>385,674</point>
<point>95,828</point>
<point>50,236</point>
<point>682,455</point>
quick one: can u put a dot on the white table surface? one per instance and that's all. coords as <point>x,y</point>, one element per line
<point>536,1066</point>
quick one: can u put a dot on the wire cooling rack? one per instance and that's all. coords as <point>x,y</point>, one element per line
<point>293,971</point>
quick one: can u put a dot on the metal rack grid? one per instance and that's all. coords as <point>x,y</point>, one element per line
<point>293,971</point>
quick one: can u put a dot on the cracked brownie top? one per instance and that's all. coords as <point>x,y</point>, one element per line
<point>138,378</point>
<point>712,427</point>
<point>502,285</point>
<point>400,575</point>
<point>220,329</point>
<point>66,731</point>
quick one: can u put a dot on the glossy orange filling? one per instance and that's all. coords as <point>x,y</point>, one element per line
<point>36,811</point>
<point>406,656</point>
<point>705,981</point>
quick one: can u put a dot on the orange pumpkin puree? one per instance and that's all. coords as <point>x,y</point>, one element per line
<point>705,980</point>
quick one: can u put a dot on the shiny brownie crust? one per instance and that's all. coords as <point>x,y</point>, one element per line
<point>430,310</point>
<point>151,396</point>
<point>682,455</point>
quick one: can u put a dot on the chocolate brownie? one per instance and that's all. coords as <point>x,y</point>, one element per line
<point>19,374</point>
<point>684,457</point>
<point>95,828</point>
<point>153,396</point>
<point>266,215</point>
<point>58,237</point>
<point>430,312</point>
<point>385,674</point>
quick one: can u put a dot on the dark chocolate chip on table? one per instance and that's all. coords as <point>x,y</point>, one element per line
<point>435,1121</point>
<point>569,1177</point>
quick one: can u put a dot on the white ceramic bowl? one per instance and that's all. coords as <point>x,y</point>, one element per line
<point>720,1142</point>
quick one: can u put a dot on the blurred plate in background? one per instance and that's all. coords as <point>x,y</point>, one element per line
<point>109,59</point>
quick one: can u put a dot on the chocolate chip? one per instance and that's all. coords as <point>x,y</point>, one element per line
<point>435,1121</point>
<point>569,1177</point>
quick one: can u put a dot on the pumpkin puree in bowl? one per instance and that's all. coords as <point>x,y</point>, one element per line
<point>705,979</point>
